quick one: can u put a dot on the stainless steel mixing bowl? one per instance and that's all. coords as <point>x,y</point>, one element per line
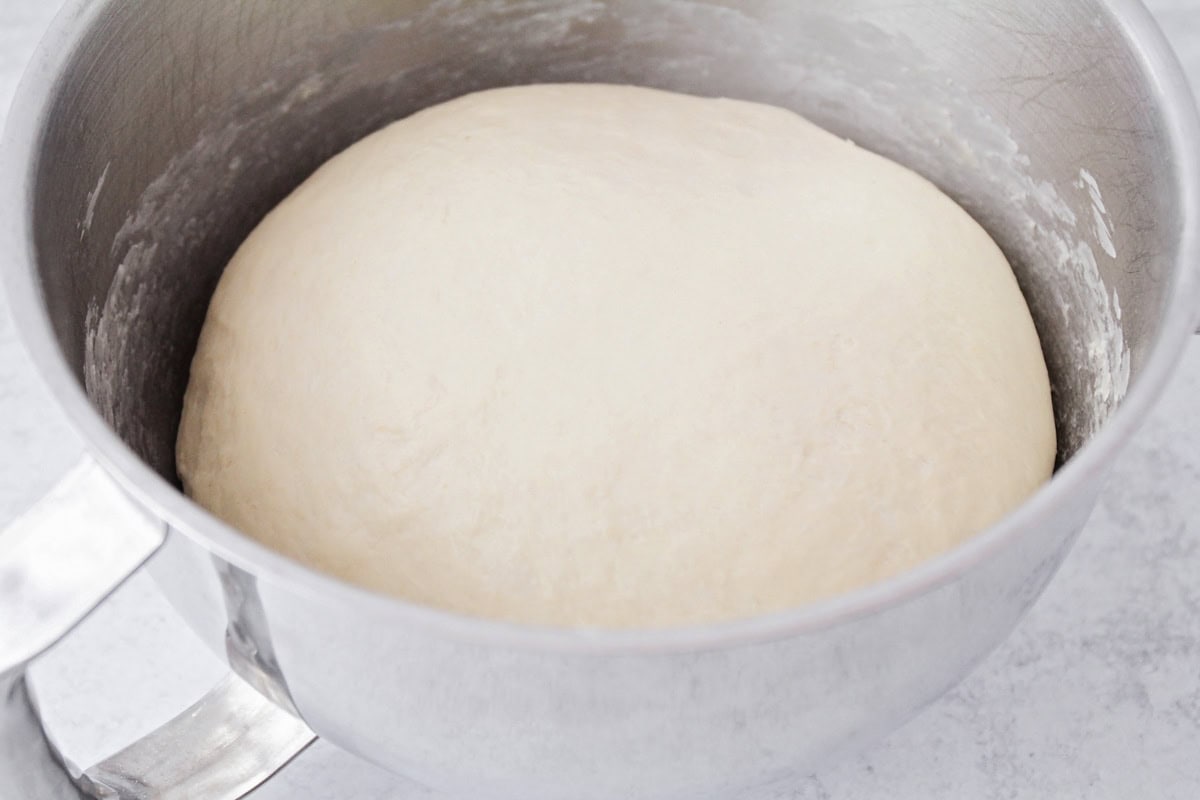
<point>148,138</point>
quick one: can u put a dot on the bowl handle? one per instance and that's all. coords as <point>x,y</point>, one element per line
<point>57,563</point>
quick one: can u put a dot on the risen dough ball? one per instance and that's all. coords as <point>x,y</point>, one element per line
<point>594,355</point>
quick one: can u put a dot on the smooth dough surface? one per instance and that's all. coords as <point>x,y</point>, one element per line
<point>591,355</point>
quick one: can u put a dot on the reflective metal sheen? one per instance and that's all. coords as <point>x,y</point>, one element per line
<point>223,746</point>
<point>56,563</point>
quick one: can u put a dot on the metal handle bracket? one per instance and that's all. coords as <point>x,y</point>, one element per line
<point>57,563</point>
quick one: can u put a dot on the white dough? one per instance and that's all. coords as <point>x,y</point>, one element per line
<point>589,355</point>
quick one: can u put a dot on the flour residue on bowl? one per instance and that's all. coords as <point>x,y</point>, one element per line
<point>919,116</point>
<point>843,75</point>
<point>1102,225</point>
<point>93,197</point>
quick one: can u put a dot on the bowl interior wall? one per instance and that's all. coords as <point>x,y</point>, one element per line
<point>181,123</point>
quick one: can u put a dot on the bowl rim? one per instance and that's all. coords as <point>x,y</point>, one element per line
<point>1081,475</point>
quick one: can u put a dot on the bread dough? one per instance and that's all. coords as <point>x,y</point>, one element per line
<point>589,355</point>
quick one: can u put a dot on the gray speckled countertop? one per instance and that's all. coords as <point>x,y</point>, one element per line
<point>1097,694</point>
